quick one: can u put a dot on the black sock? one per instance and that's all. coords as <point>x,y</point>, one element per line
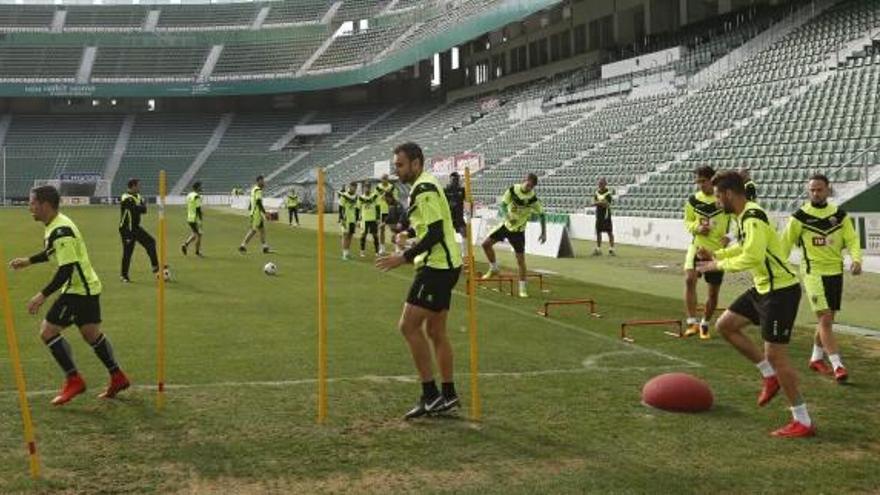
<point>63,355</point>
<point>104,351</point>
<point>449,389</point>
<point>429,390</point>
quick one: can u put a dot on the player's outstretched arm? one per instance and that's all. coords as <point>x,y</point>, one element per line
<point>19,263</point>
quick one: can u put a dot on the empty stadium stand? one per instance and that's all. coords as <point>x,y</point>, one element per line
<point>806,102</point>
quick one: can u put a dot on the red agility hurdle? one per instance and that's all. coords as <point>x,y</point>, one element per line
<point>540,277</point>
<point>569,302</point>
<point>639,323</point>
<point>500,281</point>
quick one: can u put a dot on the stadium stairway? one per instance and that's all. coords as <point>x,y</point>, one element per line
<point>202,157</point>
<point>328,16</point>
<point>322,48</point>
<point>358,163</point>
<point>111,166</point>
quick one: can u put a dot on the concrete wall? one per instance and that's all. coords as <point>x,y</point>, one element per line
<point>669,233</point>
<point>866,201</point>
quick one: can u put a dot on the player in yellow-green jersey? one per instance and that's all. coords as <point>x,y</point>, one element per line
<point>348,217</point>
<point>771,304</point>
<point>823,231</point>
<point>257,216</point>
<point>437,259</point>
<point>292,204</point>
<point>194,219</point>
<point>708,225</point>
<point>518,205</point>
<point>383,189</point>
<point>370,211</point>
<point>78,303</point>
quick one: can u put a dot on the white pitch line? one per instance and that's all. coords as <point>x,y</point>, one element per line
<point>369,378</point>
<point>590,362</point>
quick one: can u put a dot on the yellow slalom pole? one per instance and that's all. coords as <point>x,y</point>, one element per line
<point>160,321</point>
<point>472,303</point>
<point>12,341</point>
<point>322,307</point>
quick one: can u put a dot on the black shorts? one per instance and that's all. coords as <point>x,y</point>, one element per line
<point>516,239</point>
<point>351,228</point>
<point>371,228</point>
<point>824,291</point>
<point>775,311</point>
<point>432,288</point>
<point>712,278</point>
<point>73,309</point>
<point>833,290</point>
<point>194,227</point>
<point>604,225</point>
<point>384,218</point>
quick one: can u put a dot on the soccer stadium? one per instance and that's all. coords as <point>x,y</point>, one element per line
<point>440,246</point>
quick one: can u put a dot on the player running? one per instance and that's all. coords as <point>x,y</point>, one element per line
<point>517,206</point>
<point>78,303</point>
<point>772,303</point>
<point>194,219</point>
<point>823,231</point>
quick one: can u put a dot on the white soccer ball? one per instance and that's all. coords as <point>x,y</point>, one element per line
<point>166,274</point>
<point>270,268</point>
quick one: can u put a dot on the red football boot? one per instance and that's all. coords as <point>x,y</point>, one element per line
<point>768,391</point>
<point>795,429</point>
<point>118,383</point>
<point>840,374</point>
<point>820,367</point>
<point>73,386</point>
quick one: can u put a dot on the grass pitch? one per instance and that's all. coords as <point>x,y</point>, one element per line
<point>560,395</point>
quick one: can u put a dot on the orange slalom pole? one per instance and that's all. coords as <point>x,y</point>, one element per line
<point>476,409</point>
<point>160,321</point>
<point>15,357</point>
<point>322,307</point>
